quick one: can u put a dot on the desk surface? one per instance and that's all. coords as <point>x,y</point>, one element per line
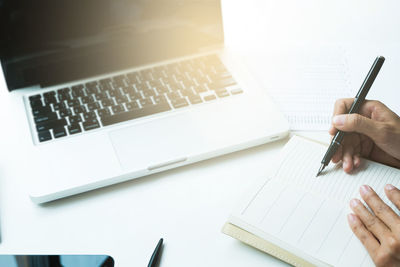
<point>185,206</point>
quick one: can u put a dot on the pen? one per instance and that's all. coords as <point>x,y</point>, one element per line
<point>358,101</point>
<point>156,254</point>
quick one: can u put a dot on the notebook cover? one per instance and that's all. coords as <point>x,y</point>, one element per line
<point>263,245</point>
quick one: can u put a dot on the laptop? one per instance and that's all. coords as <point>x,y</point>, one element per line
<point>119,89</point>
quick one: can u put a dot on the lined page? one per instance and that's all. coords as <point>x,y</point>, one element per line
<point>304,82</point>
<point>308,214</point>
<point>300,160</point>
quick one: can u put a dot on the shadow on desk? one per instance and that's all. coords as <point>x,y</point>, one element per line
<point>154,178</point>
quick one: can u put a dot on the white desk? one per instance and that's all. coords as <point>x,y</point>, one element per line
<point>186,206</point>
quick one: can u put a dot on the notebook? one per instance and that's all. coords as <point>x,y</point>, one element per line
<point>301,219</point>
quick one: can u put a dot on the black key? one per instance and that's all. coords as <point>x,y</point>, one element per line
<point>222,93</point>
<point>91,124</point>
<point>210,97</point>
<point>34,97</point>
<point>173,95</point>
<point>64,91</point>
<point>162,89</point>
<point>107,102</point>
<point>159,99</point>
<point>179,103</point>
<point>47,125</point>
<point>121,99</point>
<point>137,113</point>
<point>200,89</point>
<point>92,90</point>
<point>148,93</point>
<point>105,81</point>
<point>128,89</point>
<point>89,116</point>
<point>115,93</point>
<point>50,97</point>
<point>104,112</point>
<point>93,106</point>
<point>145,102</point>
<point>91,84</point>
<point>59,132</point>
<point>132,105</point>
<point>104,87</point>
<point>141,86</point>
<point>222,83</point>
<point>236,91</point>
<point>73,103</point>
<point>78,91</point>
<point>46,117</point>
<point>135,95</point>
<point>117,109</point>
<point>87,99</point>
<point>100,96</point>
<point>79,109</point>
<point>65,112</point>
<point>62,97</point>
<point>44,136</point>
<point>195,99</point>
<point>36,111</point>
<point>187,92</point>
<point>74,128</point>
<point>36,103</point>
<point>75,119</point>
<point>58,106</point>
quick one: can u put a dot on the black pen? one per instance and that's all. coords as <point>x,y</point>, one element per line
<point>358,101</point>
<point>156,254</point>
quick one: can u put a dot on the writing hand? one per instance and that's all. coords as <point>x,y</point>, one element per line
<point>374,133</point>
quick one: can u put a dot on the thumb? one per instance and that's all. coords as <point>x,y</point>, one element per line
<point>356,123</point>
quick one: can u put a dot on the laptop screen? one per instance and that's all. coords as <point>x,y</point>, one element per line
<point>48,42</point>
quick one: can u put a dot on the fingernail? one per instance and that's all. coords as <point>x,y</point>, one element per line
<point>365,189</point>
<point>389,187</point>
<point>338,120</point>
<point>353,203</point>
<point>351,218</point>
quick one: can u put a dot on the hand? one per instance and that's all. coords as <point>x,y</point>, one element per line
<point>378,232</point>
<point>374,134</point>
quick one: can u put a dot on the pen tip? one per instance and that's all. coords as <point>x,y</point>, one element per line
<point>320,170</point>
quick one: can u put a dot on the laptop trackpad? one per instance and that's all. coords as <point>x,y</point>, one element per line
<point>162,142</point>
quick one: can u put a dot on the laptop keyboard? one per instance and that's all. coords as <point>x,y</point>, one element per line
<point>100,103</point>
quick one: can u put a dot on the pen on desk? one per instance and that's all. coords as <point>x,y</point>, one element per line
<point>358,101</point>
<point>156,254</point>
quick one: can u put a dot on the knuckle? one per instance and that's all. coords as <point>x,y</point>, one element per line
<point>382,209</point>
<point>356,120</point>
<point>393,244</point>
<point>370,222</point>
<point>382,258</point>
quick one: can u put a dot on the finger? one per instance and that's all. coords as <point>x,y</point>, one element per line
<point>359,124</point>
<point>356,161</point>
<point>373,223</point>
<point>381,210</point>
<point>348,159</point>
<point>393,195</point>
<point>338,155</point>
<point>342,106</point>
<point>362,233</point>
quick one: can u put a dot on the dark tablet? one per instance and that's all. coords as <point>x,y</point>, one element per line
<point>56,261</point>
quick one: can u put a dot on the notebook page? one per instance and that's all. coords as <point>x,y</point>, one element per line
<point>304,82</point>
<point>307,213</point>
<point>301,158</point>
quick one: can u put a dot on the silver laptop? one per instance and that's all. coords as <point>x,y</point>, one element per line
<point>115,90</point>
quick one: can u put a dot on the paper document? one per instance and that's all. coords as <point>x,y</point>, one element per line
<point>304,82</point>
<point>308,215</point>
